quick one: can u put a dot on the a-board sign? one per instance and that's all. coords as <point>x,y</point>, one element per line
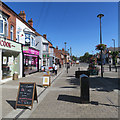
<point>46,80</point>
<point>27,93</point>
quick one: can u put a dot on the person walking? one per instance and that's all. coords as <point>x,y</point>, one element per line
<point>55,69</point>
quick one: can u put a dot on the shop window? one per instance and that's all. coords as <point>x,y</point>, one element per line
<point>11,32</point>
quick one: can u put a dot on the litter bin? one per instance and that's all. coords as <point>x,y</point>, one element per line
<point>84,88</point>
<point>78,73</point>
<point>15,76</point>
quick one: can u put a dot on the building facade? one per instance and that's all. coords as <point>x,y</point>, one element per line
<point>10,50</point>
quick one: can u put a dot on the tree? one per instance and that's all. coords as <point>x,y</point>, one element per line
<point>86,57</point>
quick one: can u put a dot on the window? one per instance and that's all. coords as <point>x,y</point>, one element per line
<point>32,41</point>
<point>18,37</point>
<point>45,48</point>
<point>11,32</point>
<point>3,26</point>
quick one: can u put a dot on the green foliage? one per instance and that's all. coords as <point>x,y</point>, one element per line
<point>74,58</point>
<point>85,58</point>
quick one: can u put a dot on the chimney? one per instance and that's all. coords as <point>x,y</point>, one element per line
<point>22,15</point>
<point>56,47</point>
<point>45,36</point>
<point>30,22</point>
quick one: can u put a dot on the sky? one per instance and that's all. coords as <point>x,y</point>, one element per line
<point>75,23</point>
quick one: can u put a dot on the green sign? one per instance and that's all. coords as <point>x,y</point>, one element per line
<point>44,55</point>
<point>47,56</point>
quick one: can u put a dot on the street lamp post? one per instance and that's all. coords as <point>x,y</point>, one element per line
<point>114,55</point>
<point>100,16</point>
<point>114,44</point>
<point>65,53</point>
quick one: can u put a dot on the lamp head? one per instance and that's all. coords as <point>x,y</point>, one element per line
<point>100,15</point>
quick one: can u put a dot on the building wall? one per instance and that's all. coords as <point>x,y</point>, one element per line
<point>11,21</point>
<point>20,27</point>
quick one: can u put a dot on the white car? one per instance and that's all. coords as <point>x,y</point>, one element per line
<point>77,62</point>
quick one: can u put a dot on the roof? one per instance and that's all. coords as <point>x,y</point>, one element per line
<point>112,48</point>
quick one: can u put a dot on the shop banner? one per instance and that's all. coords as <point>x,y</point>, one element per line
<point>30,50</point>
<point>9,45</point>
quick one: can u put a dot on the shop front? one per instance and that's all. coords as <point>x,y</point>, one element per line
<point>31,60</point>
<point>10,59</point>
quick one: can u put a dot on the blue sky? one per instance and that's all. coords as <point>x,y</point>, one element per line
<point>73,22</point>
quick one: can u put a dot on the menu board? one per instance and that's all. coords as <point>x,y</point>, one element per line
<point>26,94</point>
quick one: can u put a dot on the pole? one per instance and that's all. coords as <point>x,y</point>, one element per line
<point>101,49</point>
<point>65,54</point>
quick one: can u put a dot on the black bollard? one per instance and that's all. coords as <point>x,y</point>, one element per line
<point>115,68</point>
<point>109,67</point>
<point>84,84</point>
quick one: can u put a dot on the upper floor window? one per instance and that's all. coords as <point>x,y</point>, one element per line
<point>33,42</point>
<point>45,47</point>
<point>11,32</point>
<point>3,26</point>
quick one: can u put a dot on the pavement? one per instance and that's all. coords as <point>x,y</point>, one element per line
<point>61,99</point>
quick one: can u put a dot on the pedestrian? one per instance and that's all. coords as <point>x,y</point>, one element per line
<point>68,66</point>
<point>55,69</point>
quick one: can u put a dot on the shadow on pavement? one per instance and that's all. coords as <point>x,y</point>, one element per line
<point>13,104</point>
<point>104,84</point>
<point>69,87</point>
<point>74,81</point>
<point>69,98</point>
<point>39,86</point>
<point>76,99</point>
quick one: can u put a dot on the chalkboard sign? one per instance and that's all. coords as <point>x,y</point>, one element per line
<point>26,94</point>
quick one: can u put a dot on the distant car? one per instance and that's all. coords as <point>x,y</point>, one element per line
<point>77,62</point>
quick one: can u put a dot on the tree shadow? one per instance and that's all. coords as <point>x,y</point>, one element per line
<point>104,84</point>
<point>74,81</point>
<point>12,103</point>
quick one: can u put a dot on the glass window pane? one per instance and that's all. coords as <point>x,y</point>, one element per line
<point>1,26</point>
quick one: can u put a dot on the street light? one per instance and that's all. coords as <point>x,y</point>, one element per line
<point>114,55</point>
<point>100,16</point>
<point>65,53</point>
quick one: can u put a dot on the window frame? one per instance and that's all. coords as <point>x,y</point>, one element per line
<point>12,31</point>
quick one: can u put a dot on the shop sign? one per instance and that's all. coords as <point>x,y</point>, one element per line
<point>30,51</point>
<point>10,45</point>
<point>47,56</point>
<point>44,56</point>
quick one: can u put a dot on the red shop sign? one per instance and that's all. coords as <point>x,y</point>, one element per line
<point>5,44</point>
